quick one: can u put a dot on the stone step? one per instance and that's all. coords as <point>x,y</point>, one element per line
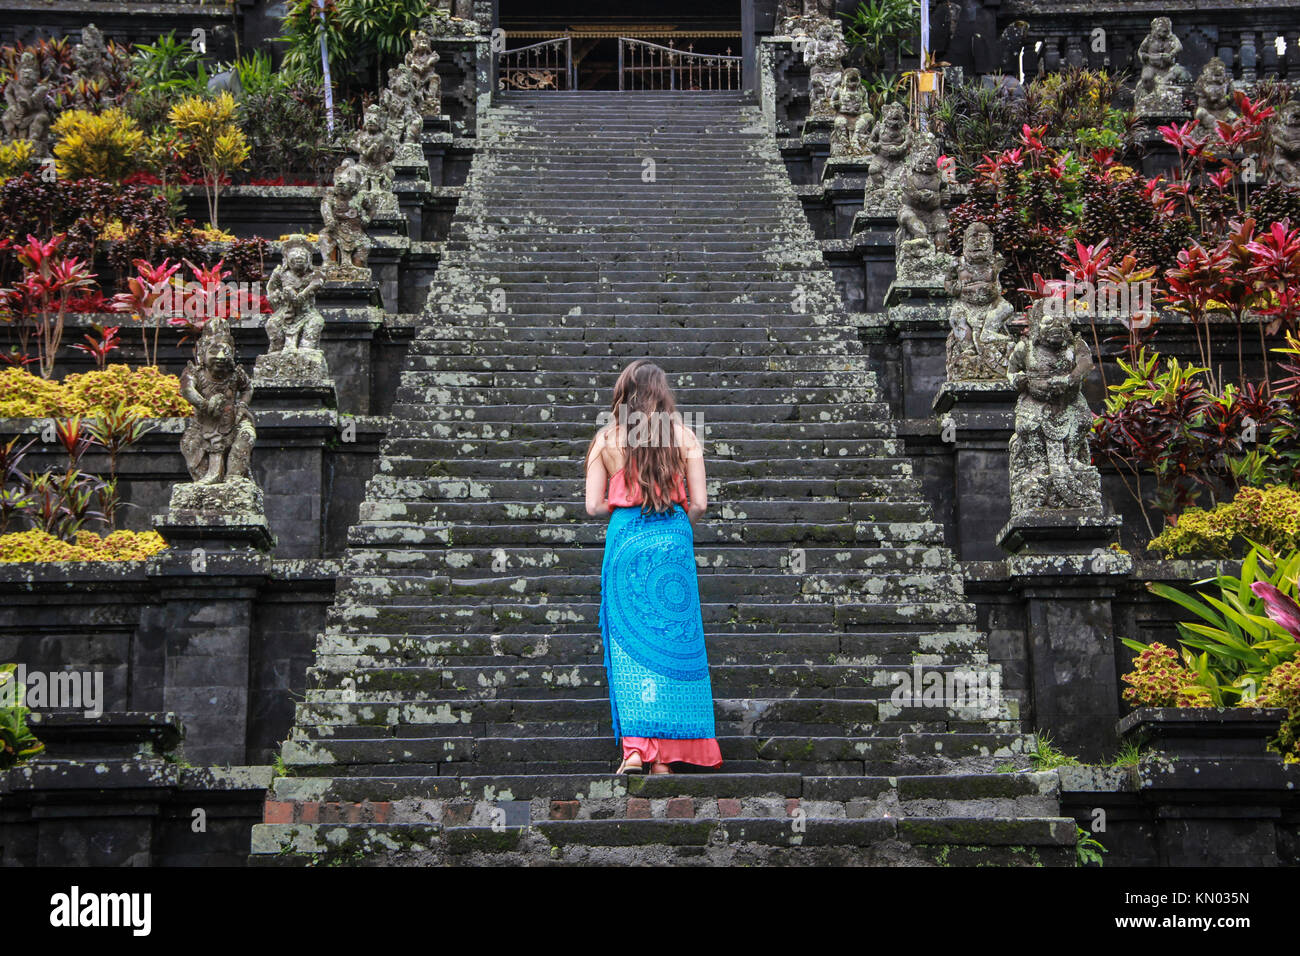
<point>383,487</point>
<point>418,464</point>
<point>465,755</point>
<point>439,450</point>
<point>758,681</point>
<point>467,559</point>
<point>472,799</point>
<point>715,587</point>
<point>877,648</point>
<point>862,534</point>
<point>770,415</point>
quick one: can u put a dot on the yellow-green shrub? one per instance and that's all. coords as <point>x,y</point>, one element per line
<point>107,145</point>
<point>34,545</point>
<point>15,158</point>
<point>1268,516</point>
<point>1158,679</point>
<point>146,392</point>
<point>1281,688</point>
<point>24,395</point>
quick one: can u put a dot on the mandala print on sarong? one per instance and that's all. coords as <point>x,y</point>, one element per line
<point>650,624</point>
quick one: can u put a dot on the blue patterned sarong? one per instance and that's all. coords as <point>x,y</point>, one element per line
<point>650,625</point>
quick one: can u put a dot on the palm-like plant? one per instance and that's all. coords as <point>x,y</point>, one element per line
<point>880,29</point>
<point>1239,635</point>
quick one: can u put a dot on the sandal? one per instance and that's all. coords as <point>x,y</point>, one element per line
<point>661,768</point>
<point>628,767</point>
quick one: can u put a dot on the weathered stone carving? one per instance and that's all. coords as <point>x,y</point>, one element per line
<point>346,211</point>
<point>921,241</point>
<point>27,106</point>
<point>1050,462</point>
<point>824,54</point>
<point>90,56</point>
<point>1160,89</point>
<point>402,104</point>
<point>979,344</point>
<point>853,121</point>
<point>1284,159</point>
<point>219,437</point>
<point>422,61</point>
<point>451,19</point>
<point>803,17</point>
<point>375,150</point>
<point>294,356</point>
<point>888,143</point>
<point>1214,96</point>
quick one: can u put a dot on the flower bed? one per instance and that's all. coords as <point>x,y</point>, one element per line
<point>38,546</point>
<point>143,392</point>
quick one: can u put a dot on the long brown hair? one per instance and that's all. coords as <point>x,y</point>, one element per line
<point>643,402</point>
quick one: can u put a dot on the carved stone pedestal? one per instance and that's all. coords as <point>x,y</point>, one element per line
<point>435,141</point>
<point>817,139</point>
<point>227,515</point>
<point>917,313</point>
<point>872,235</point>
<point>293,378</point>
<point>352,316</point>
<point>976,421</point>
<point>844,178</point>
<point>1068,576</point>
<point>1158,157</point>
<point>208,580</point>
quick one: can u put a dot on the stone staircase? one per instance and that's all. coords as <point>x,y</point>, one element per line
<point>457,711</point>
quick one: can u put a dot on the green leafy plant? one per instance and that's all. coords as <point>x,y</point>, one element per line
<point>363,38</point>
<point>208,134</point>
<point>1088,849</point>
<point>107,145</point>
<point>17,742</point>
<point>1281,688</point>
<point>1234,643</point>
<point>1158,680</point>
<point>1268,515</point>
<point>1045,756</point>
<point>883,32</point>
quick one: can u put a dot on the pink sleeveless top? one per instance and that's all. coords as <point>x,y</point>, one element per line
<point>623,496</point>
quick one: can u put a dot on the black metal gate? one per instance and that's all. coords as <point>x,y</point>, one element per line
<point>539,66</point>
<point>649,66</point>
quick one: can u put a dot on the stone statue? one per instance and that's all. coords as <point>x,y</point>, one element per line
<point>1159,90</point>
<point>90,56</point>
<point>824,55</point>
<point>889,143</point>
<point>1214,96</point>
<point>402,104</point>
<point>450,19</point>
<point>1284,157</point>
<point>1050,462</point>
<point>375,151</point>
<point>346,211</point>
<point>422,60</point>
<point>291,290</point>
<point>219,437</point>
<point>27,106</point>
<point>853,121</point>
<point>979,344</point>
<point>294,356</point>
<point>921,241</point>
<point>799,18</point>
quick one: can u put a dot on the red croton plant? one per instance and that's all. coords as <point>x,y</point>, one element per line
<point>41,300</point>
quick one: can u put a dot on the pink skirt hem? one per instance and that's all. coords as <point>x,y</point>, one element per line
<point>702,751</point>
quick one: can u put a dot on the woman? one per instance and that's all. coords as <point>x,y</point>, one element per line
<point>645,469</point>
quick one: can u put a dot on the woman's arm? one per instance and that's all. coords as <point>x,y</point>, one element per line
<point>597,478</point>
<point>696,489</point>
